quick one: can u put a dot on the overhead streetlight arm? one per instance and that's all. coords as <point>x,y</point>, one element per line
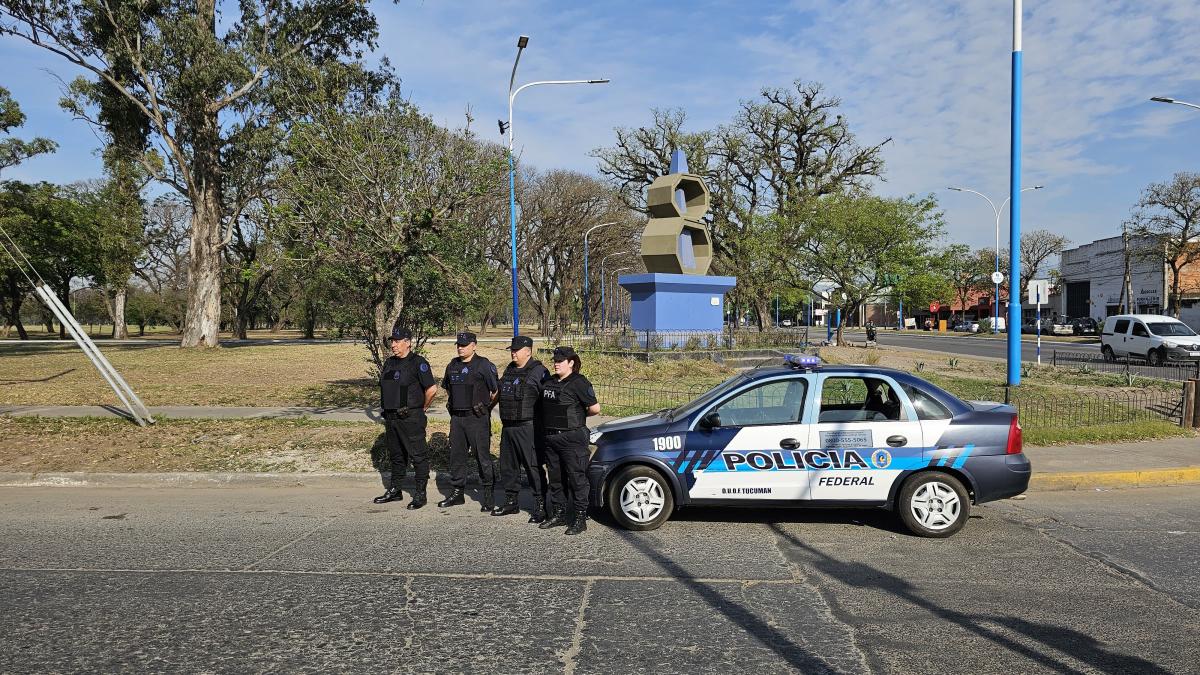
<point>1165,99</point>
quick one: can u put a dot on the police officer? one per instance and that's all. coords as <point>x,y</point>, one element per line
<point>406,388</point>
<point>520,394</point>
<point>470,381</point>
<point>567,400</point>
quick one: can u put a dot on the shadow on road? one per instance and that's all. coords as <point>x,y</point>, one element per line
<point>1065,640</point>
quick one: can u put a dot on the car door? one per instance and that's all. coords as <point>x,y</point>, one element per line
<point>865,431</point>
<point>754,445</point>
<point>1139,339</point>
<point>1119,339</point>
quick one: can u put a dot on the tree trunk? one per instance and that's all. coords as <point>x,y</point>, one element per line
<point>310,319</point>
<point>202,322</point>
<point>16,299</point>
<point>114,302</point>
<point>386,312</point>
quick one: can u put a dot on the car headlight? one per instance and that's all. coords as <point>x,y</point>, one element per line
<point>595,436</point>
<point>1170,345</point>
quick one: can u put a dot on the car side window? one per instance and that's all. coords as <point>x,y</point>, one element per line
<point>1121,327</point>
<point>775,402</point>
<point>1140,330</point>
<point>927,407</point>
<point>859,399</point>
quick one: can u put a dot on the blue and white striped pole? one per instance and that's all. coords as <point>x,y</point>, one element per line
<point>1014,210</point>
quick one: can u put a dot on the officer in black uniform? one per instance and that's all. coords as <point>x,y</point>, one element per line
<point>567,400</point>
<point>406,387</point>
<point>470,381</point>
<point>520,395</point>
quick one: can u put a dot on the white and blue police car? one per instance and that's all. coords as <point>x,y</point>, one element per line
<point>804,434</point>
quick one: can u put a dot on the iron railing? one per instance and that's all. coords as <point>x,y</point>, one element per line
<point>1175,371</point>
<point>623,399</point>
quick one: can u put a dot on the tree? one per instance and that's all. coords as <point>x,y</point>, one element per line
<point>13,151</point>
<point>858,243</point>
<point>1038,246</point>
<point>1168,214</point>
<point>781,150</point>
<point>965,273</point>
<point>198,90</point>
<point>379,195</point>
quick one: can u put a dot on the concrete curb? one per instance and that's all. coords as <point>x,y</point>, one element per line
<point>1040,482</point>
<point>1090,480</point>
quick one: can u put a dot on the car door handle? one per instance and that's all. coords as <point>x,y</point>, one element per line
<point>897,441</point>
<point>789,444</point>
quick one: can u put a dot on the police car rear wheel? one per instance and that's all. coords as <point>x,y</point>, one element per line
<point>640,499</point>
<point>934,505</point>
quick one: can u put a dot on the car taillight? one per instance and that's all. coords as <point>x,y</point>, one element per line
<point>1014,438</point>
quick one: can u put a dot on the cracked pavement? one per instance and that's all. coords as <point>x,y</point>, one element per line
<point>303,579</point>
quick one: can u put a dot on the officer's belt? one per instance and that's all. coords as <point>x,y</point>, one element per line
<point>555,432</point>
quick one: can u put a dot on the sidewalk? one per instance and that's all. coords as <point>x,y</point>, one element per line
<point>1172,461</point>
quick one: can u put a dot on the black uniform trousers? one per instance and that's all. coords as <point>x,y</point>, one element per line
<point>566,466</point>
<point>406,444</point>
<point>470,435</point>
<point>518,453</point>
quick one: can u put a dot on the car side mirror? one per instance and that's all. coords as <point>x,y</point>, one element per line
<point>711,420</point>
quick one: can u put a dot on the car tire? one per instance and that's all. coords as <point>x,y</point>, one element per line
<point>1154,357</point>
<point>1108,353</point>
<point>933,504</point>
<point>640,499</point>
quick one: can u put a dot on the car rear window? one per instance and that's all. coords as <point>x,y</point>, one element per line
<point>927,407</point>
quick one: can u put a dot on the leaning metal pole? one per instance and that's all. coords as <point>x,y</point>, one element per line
<point>49,300</point>
<point>95,354</point>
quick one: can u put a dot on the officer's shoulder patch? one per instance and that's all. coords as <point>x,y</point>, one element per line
<point>425,367</point>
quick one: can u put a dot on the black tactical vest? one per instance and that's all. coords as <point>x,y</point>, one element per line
<point>560,409</point>
<point>465,383</point>
<point>518,400</point>
<point>399,384</point>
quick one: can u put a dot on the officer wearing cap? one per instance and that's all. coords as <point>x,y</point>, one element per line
<point>520,394</point>
<point>470,381</point>
<point>567,400</point>
<point>406,388</point>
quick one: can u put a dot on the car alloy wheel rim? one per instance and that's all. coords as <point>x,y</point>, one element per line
<point>935,505</point>
<point>642,500</point>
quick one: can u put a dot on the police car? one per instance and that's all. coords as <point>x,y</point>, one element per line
<point>803,434</point>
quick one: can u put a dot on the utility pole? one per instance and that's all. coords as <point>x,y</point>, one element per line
<point>1127,285</point>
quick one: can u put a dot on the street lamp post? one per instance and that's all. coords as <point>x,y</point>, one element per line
<point>587,289</point>
<point>1165,99</point>
<point>603,285</point>
<point>617,301</point>
<point>995,275</point>
<point>522,42</point>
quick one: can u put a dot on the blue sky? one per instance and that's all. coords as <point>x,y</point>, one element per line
<point>934,76</point>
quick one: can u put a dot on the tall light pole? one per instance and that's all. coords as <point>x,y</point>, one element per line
<point>1014,210</point>
<point>604,284</point>
<point>522,42</point>
<point>618,304</point>
<point>996,276</point>
<point>587,290</point>
<point>1164,99</point>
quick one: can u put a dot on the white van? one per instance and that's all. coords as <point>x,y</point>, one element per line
<point>1156,338</point>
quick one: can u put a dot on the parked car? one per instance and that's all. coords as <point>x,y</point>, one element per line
<point>805,434</point>
<point>1156,338</point>
<point>966,326</point>
<point>786,323</point>
<point>1084,325</point>
<point>1061,327</point>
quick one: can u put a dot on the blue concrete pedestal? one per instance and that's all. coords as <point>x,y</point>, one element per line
<point>676,303</point>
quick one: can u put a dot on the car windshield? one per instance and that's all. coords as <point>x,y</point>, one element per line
<point>688,408</point>
<point>1171,328</point>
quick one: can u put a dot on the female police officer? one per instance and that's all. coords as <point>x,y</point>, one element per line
<point>567,400</point>
<point>406,388</point>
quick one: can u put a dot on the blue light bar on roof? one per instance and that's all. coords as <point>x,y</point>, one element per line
<point>801,360</point>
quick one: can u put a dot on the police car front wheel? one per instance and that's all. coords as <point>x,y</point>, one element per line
<point>934,504</point>
<point>640,498</point>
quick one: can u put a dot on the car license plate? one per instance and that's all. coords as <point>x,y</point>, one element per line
<point>1193,353</point>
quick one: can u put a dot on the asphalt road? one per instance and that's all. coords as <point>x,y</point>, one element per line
<point>304,579</point>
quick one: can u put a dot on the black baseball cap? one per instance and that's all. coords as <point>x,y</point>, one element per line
<point>563,353</point>
<point>520,341</point>
<point>465,338</point>
<point>399,333</point>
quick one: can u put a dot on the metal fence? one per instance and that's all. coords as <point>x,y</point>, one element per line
<point>685,340</point>
<point>1092,362</point>
<point>1036,410</point>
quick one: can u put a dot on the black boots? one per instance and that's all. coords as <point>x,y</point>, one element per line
<point>508,508</point>
<point>418,500</point>
<point>392,495</point>
<point>455,498</point>
<point>539,510</point>
<point>579,526</point>
<point>488,500</point>
<point>558,519</point>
